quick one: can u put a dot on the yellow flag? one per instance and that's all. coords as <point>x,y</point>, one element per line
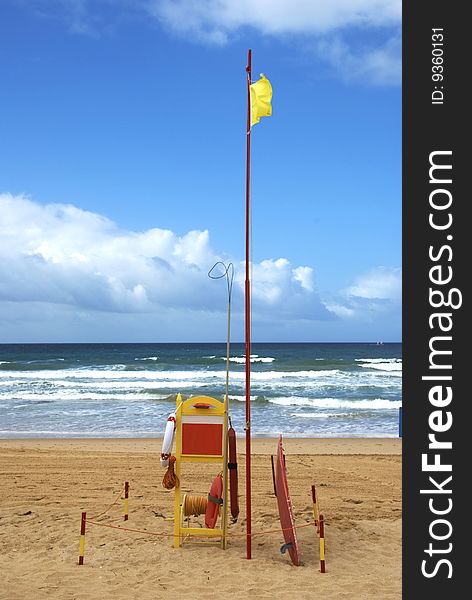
<point>261,96</point>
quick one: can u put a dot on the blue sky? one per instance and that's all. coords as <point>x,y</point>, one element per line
<point>122,160</point>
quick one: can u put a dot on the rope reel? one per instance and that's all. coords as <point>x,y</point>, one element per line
<point>194,505</point>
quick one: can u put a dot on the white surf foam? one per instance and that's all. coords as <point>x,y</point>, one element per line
<point>254,358</point>
<point>376,404</point>
<point>111,374</point>
<point>383,366</point>
<point>379,360</point>
<point>318,415</point>
<point>81,396</point>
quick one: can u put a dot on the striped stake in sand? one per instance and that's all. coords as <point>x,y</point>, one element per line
<point>82,538</point>
<point>322,546</point>
<point>126,502</point>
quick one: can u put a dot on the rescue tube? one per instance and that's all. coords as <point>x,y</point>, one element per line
<point>233,473</point>
<point>168,441</point>
<point>214,502</point>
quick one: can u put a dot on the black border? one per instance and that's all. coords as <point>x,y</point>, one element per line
<point>428,128</point>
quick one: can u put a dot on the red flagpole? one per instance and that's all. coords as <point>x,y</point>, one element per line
<point>248,314</point>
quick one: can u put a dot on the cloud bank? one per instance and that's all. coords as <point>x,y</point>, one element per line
<point>216,20</point>
<point>325,24</point>
<point>58,254</point>
<point>374,295</point>
<point>72,272</point>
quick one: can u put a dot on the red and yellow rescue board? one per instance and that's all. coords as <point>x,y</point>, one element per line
<point>285,507</point>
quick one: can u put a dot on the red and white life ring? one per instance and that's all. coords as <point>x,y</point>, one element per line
<point>214,502</point>
<point>168,440</point>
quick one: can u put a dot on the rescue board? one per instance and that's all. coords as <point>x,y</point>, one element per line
<point>285,507</point>
<point>233,474</point>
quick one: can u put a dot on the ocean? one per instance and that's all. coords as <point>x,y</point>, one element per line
<point>128,390</point>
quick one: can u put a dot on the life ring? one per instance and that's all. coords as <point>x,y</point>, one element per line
<point>168,440</point>
<point>214,502</point>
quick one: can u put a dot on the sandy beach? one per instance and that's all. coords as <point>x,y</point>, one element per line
<point>47,483</point>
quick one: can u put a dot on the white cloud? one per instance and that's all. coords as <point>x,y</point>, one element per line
<point>381,283</point>
<point>71,275</point>
<point>381,65</point>
<point>281,291</point>
<point>215,20</point>
<point>324,23</point>
<point>374,295</point>
<point>340,310</point>
<point>304,275</point>
<point>60,255</point>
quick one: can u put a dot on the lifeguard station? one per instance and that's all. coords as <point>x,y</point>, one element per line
<point>201,436</point>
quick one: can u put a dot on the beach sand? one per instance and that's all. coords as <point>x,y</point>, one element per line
<point>46,484</point>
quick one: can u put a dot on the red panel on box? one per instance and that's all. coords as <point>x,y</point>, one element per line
<point>202,438</point>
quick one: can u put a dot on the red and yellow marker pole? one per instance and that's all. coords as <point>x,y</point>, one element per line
<point>82,538</point>
<point>126,502</point>
<point>322,546</point>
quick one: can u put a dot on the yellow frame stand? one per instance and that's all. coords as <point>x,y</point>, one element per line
<point>187,412</point>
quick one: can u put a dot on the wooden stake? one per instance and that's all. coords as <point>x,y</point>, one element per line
<point>322,546</point>
<point>82,538</point>
<point>126,502</point>
<point>316,512</point>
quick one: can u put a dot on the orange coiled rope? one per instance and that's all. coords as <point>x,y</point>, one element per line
<point>170,478</point>
<point>194,505</point>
